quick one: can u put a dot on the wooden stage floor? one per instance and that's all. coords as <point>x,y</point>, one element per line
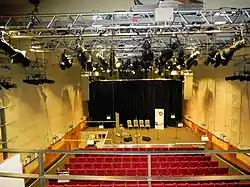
<point>166,136</point>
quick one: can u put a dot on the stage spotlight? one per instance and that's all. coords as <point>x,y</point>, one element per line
<point>16,55</point>
<point>7,85</point>
<point>127,65</point>
<point>166,55</point>
<point>147,56</point>
<point>66,61</point>
<point>192,61</point>
<point>146,45</point>
<point>118,63</point>
<point>223,57</point>
<point>136,63</point>
<point>38,79</point>
<point>181,59</point>
<point>103,64</point>
<point>82,59</point>
<point>210,58</point>
<point>176,45</point>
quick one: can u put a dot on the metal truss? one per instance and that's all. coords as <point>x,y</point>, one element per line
<point>121,24</point>
<point>129,45</point>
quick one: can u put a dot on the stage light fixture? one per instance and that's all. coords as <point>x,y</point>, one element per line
<point>103,64</point>
<point>136,64</point>
<point>7,84</point>
<point>82,59</point>
<point>119,63</point>
<point>166,55</point>
<point>146,45</point>
<point>176,45</point>
<point>192,61</point>
<point>241,77</point>
<point>181,58</point>
<point>223,57</point>
<point>210,58</point>
<point>66,61</point>
<point>38,79</point>
<point>16,55</point>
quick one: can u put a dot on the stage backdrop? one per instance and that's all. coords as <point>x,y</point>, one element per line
<point>136,99</point>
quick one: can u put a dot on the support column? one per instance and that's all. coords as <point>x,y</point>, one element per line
<point>149,170</point>
<point>3,132</point>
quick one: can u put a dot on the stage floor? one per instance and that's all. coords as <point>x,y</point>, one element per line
<point>166,136</point>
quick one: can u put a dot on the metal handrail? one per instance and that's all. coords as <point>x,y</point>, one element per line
<point>128,178</point>
<point>42,176</point>
<point>94,152</point>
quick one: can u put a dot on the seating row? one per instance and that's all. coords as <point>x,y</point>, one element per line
<point>197,171</point>
<point>98,165</point>
<point>155,172</point>
<point>157,185</point>
<point>124,158</point>
<point>142,148</point>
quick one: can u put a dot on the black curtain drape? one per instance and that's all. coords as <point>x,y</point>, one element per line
<point>136,99</point>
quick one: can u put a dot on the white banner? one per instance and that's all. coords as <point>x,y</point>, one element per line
<point>159,119</point>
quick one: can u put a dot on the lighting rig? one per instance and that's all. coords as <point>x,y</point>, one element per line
<point>241,76</point>
<point>37,79</point>
<point>147,56</point>
<point>16,55</point>
<point>66,60</point>
<point>83,58</point>
<point>222,57</point>
<point>6,83</point>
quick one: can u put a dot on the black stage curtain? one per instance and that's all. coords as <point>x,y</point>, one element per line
<point>136,99</point>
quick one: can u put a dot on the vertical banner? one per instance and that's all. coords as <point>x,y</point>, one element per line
<point>159,119</point>
<point>188,86</point>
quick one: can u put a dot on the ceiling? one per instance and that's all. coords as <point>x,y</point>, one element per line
<point>53,6</point>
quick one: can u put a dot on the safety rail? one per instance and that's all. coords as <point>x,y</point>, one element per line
<point>149,178</point>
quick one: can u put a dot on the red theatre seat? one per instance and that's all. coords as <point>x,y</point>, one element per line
<point>182,185</point>
<point>207,185</point>
<point>220,185</point>
<point>169,185</point>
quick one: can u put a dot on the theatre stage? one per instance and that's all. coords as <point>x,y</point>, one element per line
<point>166,136</point>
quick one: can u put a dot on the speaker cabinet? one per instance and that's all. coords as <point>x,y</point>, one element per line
<point>146,139</point>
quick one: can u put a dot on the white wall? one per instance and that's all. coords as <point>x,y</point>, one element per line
<point>12,165</point>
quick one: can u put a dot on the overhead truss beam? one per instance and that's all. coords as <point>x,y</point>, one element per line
<point>124,24</point>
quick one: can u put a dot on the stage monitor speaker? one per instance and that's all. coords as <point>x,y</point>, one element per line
<point>146,139</point>
<point>128,139</point>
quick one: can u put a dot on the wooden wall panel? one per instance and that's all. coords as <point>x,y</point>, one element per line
<point>222,105</point>
<point>37,113</point>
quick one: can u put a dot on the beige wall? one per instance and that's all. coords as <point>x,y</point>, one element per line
<point>36,113</point>
<point>222,105</point>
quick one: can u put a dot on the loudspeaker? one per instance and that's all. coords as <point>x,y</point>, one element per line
<point>128,139</point>
<point>146,139</point>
